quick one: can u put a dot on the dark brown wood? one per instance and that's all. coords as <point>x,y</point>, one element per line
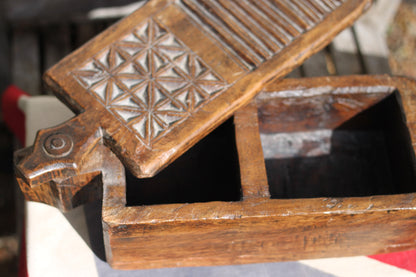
<point>71,164</point>
<point>196,81</point>
<point>68,184</point>
<point>157,82</point>
<point>262,229</point>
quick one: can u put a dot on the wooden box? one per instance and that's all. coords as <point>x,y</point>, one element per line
<point>312,168</point>
<point>293,175</point>
<point>156,82</point>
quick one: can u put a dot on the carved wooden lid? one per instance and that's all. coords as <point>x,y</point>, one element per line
<point>159,80</point>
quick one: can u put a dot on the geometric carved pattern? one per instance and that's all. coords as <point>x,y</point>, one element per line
<point>150,81</point>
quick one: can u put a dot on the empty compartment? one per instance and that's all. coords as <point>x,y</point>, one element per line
<point>336,144</point>
<point>209,171</point>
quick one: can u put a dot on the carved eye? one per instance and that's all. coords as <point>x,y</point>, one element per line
<point>58,145</point>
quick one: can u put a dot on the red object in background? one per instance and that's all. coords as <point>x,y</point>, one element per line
<point>405,260</point>
<point>12,115</point>
<point>15,121</point>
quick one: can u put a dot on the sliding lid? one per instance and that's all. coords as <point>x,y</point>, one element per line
<point>159,80</point>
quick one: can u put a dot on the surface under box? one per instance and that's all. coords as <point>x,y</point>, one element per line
<point>317,167</point>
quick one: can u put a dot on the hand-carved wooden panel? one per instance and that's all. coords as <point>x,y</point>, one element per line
<point>253,31</point>
<point>173,70</point>
<point>155,83</point>
<point>150,80</point>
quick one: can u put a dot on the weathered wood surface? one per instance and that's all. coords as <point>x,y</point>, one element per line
<point>252,167</point>
<point>335,136</point>
<point>199,80</point>
<point>263,229</point>
<point>149,90</point>
<point>389,214</point>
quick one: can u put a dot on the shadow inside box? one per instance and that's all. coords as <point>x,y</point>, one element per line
<point>208,171</point>
<point>369,154</point>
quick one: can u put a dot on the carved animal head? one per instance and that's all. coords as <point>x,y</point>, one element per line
<point>62,167</point>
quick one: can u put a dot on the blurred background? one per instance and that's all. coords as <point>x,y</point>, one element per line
<point>34,35</point>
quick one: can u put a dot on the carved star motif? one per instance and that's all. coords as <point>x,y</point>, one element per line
<point>150,80</point>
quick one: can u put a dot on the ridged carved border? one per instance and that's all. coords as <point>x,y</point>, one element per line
<point>255,30</point>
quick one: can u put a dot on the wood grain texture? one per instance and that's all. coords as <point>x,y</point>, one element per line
<point>257,228</point>
<point>65,184</point>
<point>155,83</point>
<point>251,160</point>
<point>165,76</point>
<point>342,136</point>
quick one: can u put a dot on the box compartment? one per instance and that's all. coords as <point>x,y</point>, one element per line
<point>209,171</point>
<point>344,145</point>
<point>326,209</point>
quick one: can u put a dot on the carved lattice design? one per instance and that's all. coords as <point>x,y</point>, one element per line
<point>150,80</point>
